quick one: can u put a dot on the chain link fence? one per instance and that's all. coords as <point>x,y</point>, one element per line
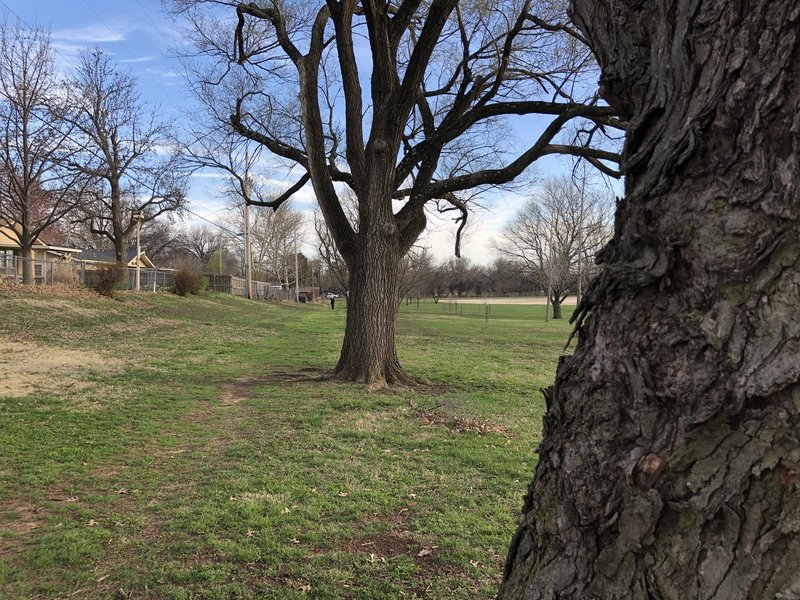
<point>54,272</point>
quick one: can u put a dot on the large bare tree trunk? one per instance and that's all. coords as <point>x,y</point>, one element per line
<point>670,461</point>
<point>369,353</point>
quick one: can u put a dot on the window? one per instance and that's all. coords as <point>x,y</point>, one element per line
<point>7,259</point>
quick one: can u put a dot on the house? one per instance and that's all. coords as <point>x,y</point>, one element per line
<point>47,250</point>
<point>94,259</point>
<point>151,277</point>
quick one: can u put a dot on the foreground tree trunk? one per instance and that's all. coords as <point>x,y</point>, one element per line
<point>670,461</point>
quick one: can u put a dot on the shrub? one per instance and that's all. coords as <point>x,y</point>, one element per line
<point>107,279</point>
<point>64,273</point>
<point>188,282</point>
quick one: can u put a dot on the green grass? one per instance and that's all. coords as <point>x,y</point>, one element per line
<point>177,452</point>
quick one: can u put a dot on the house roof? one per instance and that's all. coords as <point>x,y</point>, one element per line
<point>103,255</point>
<point>9,238</point>
<point>109,256</point>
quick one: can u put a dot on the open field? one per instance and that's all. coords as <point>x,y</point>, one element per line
<point>165,447</point>
<point>523,300</point>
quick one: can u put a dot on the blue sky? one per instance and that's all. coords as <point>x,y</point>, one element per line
<point>135,32</point>
<point>140,36</point>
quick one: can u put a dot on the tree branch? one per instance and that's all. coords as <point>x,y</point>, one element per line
<point>276,202</point>
<point>443,135</point>
<point>342,14</point>
<point>459,205</point>
<point>273,16</point>
<point>506,174</point>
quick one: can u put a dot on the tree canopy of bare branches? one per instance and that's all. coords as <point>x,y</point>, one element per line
<point>37,188</point>
<point>274,236</point>
<point>123,147</point>
<point>558,227</point>
<point>407,105</point>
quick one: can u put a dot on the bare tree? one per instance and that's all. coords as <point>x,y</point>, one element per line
<point>506,277</point>
<point>37,188</point>
<point>122,146</point>
<point>160,240</point>
<point>670,461</point>
<point>445,78</point>
<point>335,265</point>
<point>557,226</point>
<point>274,236</point>
<point>415,266</point>
<point>199,242</point>
<point>338,276</point>
<point>273,233</point>
<point>460,275</point>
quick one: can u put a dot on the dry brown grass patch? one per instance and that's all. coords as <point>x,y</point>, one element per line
<point>62,290</point>
<point>30,367</point>
<point>17,529</point>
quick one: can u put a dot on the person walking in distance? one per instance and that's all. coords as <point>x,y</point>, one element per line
<point>333,301</point>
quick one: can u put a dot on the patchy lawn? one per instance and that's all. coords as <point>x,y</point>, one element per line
<point>165,447</point>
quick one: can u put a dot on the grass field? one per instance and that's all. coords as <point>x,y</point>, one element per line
<point>164,447</point>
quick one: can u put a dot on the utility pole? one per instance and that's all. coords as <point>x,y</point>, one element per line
<point>137,216</point>
<point>248,258</point>
<point>219,251</point>
<point>296,273</point>
<point>286,269</point>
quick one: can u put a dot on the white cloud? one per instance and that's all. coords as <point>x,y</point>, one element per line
<point>95,33</point>
<point>140,59</point>
<point>209,175</point>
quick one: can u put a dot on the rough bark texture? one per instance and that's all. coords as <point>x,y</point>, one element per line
<point>368,352</point>
<point>670,461</point>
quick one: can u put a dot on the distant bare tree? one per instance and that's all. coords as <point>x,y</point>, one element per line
<point>415,266</point>
<point>331,261</point>
<point>335,265</point>
<point>159,240</point>
<point>273,237</point>
<point>37,188</point>
<point>548,234</point>
<point>505,277</point>
<point>461,275</point>
<point>199,242</point>
<point>122,145</point>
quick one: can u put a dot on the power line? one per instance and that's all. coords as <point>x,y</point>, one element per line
<point>201,217</point>
<point>122,43</point>
<point>156,28</point>
<point>218,210</point>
